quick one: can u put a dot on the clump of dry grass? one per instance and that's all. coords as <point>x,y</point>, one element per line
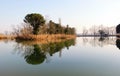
<point>2,36</point>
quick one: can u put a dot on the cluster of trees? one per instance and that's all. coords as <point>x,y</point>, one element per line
<point>118,28</point>
<point>56,28</point>
<point>35,24</point>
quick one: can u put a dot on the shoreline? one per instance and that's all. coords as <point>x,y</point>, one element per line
<point>47,37</point>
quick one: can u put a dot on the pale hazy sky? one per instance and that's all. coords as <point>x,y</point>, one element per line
<point>76,13</point>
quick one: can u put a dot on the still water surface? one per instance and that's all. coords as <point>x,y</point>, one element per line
<point>80,57</point>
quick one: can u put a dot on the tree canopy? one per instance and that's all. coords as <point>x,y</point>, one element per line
<point>38,26</point>
<point>35,20</point>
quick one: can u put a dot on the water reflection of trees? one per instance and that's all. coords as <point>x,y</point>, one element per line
<point>38,53</point>
<point>118,43</point>
<point>99,41</point>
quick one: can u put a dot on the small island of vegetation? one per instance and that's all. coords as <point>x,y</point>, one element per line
<point>36,28</point>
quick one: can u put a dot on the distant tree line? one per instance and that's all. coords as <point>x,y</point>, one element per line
<point>99,30</point>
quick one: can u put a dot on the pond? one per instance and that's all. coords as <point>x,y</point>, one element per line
<point>83,56</point>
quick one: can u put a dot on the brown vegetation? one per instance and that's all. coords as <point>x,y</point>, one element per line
<point>42,41</point>
<point>2,36</point>
<point>47,37</point>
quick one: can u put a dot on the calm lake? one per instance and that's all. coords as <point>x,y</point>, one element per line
<point>80,57</point>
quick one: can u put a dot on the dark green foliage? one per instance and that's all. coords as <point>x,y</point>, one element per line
<point>37,54</point>
<point>69,43</point>
<point>54,28</point>
<point>36,57</point>
<point>118,43</point>
<point>35,20</point>
<point>58,46</point>
<point>101,39</point>
<point>118,30</point>
<point>67,30</point>
<point>101,32</point>
<point>39,27</point>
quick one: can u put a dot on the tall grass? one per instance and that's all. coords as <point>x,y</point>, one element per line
<point>3,37</point>
<point>45,37</point>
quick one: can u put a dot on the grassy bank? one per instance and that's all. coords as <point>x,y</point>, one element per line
<point>24,42</point>
<point>7,37</point>
<point>48,37</point>
<point>2,37</point>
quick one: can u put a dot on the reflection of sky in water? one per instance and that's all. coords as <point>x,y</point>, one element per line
<point>79,60</point>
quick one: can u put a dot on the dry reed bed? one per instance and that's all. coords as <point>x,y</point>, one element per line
<point>3,37</point>
<point>47,37</point>
<point>7,37</point>
<point>44,38</point>
<point>42,41</point>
